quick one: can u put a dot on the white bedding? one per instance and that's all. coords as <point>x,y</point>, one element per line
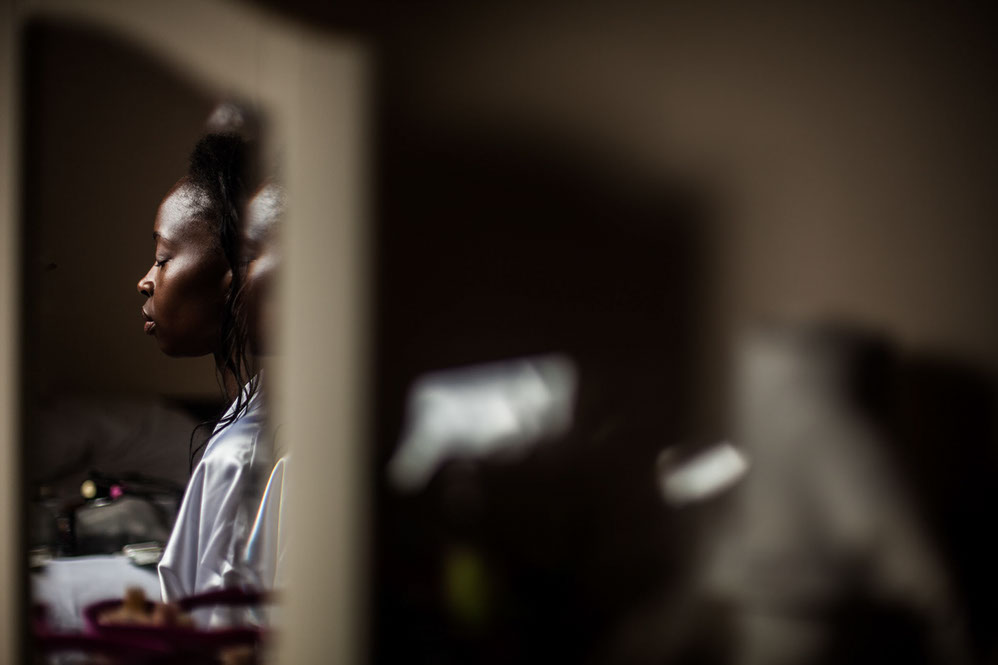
<point>67,586</point>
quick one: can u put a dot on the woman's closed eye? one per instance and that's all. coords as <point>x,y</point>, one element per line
<point>161,262</point>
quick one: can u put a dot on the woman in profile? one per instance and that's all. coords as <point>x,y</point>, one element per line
<point>191,310</point>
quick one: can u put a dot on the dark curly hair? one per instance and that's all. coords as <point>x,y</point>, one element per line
<point>221,173</point>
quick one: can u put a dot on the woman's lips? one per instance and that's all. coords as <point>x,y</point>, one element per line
<point>150,325</point>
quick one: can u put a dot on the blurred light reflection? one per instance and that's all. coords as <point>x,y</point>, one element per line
<point>482,410</point>
<point>702,476</point>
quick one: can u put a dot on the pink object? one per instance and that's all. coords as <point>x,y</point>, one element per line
<point>116,491</point>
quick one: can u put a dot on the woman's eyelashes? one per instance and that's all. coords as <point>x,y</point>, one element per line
<point>161,262</point>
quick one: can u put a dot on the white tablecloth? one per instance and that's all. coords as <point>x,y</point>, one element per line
<point>68,585</point>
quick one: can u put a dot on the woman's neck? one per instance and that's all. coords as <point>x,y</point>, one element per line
<point>230,384</point>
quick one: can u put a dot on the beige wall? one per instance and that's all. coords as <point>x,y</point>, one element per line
<point>844,154</point>
<point>847,153</point>
<point>11,609</point>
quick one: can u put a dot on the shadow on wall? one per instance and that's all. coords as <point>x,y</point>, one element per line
<point>494,246</point>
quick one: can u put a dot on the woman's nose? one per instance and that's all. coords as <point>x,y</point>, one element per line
<point>145,285</point>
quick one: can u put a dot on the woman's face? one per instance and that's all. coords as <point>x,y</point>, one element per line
<point>261,252</point>
<point>186,286</point>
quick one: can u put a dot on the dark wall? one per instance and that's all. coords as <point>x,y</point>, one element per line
<point>108,131</point>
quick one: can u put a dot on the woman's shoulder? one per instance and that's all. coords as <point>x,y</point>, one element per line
<point>235,444</point>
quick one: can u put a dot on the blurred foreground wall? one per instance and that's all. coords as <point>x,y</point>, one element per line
<point>846,151</point>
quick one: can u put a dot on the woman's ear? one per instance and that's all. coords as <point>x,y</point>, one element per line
<point>227,281</point>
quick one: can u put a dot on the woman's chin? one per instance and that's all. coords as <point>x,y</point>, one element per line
<point>173,350</point>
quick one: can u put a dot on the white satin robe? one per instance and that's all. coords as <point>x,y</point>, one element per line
<point>266,546</point>
<point>208,541</point>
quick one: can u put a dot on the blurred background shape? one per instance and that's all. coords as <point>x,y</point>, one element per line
<point>485,410</point>
<point>701,475</point>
